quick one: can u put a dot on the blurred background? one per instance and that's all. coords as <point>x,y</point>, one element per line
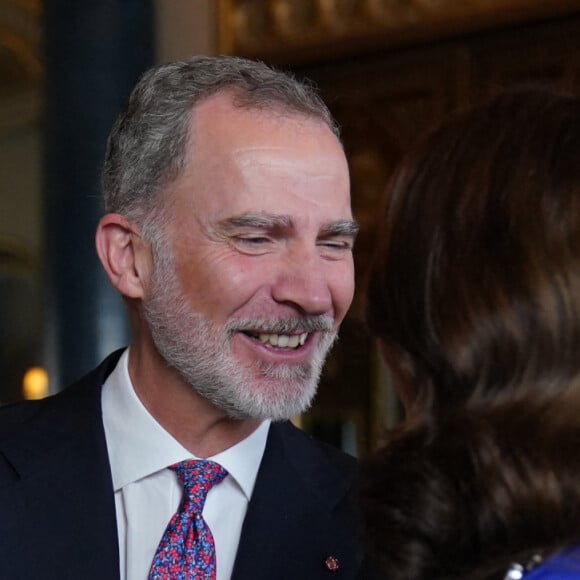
<point>388,69</point>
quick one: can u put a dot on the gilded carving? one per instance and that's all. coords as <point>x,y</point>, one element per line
<point>271,29</point>
<point>20,62</point>
<point>293,17</point>
<point>250,22</point>
<point>339,15</point>
<point>391,13</point>
<point>20,66</point>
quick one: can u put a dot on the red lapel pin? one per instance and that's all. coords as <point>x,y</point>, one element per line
<point>331,563</point>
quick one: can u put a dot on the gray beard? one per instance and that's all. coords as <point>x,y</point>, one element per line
<point>200,352</point>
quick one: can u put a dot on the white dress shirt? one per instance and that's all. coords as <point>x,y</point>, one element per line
<point>147,494</point>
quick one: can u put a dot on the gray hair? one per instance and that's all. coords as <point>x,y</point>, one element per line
<point>147,146</point>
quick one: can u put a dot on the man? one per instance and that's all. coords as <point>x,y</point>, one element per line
<point>229,234</point>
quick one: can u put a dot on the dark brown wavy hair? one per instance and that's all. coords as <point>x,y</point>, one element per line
<point>476,280</point>
<point>461,496</point>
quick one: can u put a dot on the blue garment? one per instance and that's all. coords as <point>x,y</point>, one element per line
<point>561,566</point>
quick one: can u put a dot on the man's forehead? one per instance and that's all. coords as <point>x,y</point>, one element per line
<point>218,113</point>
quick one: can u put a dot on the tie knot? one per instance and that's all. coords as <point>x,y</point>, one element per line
<point>187,548</point>
<point>198,477</point>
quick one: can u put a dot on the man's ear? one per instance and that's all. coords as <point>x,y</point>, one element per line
<point>125,258</point>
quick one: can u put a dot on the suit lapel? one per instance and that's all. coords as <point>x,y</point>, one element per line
<point>62,477</point>
<point>55,474</point>
<point>298,515</point>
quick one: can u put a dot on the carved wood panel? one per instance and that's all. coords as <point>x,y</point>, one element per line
<point>304,30</point>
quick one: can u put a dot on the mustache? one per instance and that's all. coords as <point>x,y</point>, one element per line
<point>314,323</point>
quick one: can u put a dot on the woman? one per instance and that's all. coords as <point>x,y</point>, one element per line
<point>474,295</point>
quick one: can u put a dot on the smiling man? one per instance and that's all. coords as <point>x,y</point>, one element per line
<point>229,233</point>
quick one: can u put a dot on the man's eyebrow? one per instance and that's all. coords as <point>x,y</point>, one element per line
<point>257,221</point>
<point>347,228</point>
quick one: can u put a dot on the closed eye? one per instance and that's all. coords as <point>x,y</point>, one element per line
<point>335,249</point>
<point>253,240</point>
<point>337,238</point>
<point>336,244</point>
<point>252,244</point>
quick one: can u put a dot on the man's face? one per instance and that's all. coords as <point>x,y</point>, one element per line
<point>259,272</point>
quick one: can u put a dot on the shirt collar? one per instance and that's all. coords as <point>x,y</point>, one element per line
<point>130,430</point>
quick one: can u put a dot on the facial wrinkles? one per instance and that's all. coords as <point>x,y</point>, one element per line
<point>228,139</point>
<point>231,170</point>
<point>201,353</point>
<point>325,175</point>
<point>285,159</point>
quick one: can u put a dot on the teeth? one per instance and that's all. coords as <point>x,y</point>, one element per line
<point>283,340</point>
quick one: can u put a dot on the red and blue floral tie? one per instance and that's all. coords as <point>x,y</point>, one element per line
<point>186,550</point>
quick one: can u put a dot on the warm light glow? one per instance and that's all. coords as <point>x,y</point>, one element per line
<point>35,383</point>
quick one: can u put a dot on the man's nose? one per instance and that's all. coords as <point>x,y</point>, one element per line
<point>302,282</point>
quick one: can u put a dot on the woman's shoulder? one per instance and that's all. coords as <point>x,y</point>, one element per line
<point>561,566</point>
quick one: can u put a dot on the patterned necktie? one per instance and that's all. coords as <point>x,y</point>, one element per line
<point>186,550</point>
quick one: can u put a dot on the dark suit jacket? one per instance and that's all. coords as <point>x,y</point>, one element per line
<point>57,510</point>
